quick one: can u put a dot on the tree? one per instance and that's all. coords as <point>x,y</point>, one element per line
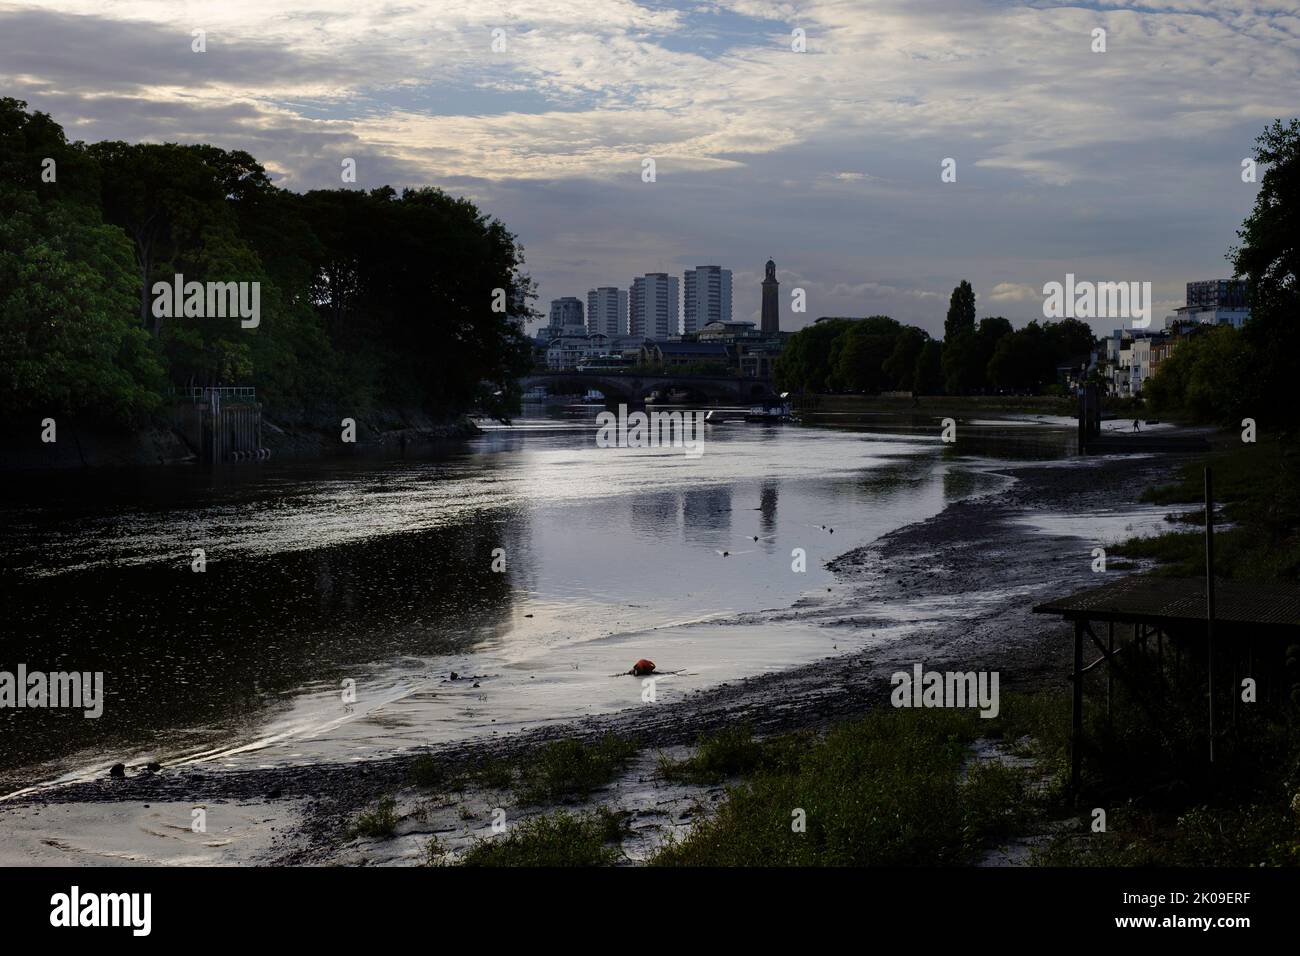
<point>804,364</point>
<point>962,369</point>
<point>1269,259</point>
<point>961,312</point>
<point>859,352</point>
<point>1022,361</point>
<point>900,367</point>
<point>1202,376</point>
<point>68,337</point>
<point>170,201</point>
<point>27,140</point>
<point>365,298</point>
<point>1069,339</point>
<point>928,377</point>
<point>991,331</point>
<point>1027,359</point>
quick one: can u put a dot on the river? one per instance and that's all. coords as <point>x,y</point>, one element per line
<point>339,596</point>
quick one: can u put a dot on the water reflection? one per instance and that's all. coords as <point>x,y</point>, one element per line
<point>320,571</point>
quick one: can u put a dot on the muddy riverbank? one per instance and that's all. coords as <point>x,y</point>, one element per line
<point>951,592</point>
<point>289,434</point>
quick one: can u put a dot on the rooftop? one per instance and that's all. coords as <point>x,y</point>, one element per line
<point>1270,608</point>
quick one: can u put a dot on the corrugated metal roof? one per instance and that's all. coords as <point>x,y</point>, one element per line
<point>1153,600</point>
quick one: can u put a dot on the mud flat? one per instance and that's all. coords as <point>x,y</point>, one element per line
<point>952,592</point>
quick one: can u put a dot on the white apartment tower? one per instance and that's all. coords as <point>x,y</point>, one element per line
<point>607,310</point>
<point>652,306</point>
<point>708,297</point>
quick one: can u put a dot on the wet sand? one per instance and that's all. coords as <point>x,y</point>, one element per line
<point>951,592</point>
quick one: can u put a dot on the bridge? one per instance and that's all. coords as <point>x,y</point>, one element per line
<point>632,388</point>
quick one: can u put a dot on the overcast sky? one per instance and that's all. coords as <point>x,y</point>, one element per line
<point>1115,166</point>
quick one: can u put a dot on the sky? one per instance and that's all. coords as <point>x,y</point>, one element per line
<point>1115,166</point>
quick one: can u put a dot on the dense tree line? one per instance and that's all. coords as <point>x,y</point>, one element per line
<point>878,354</point>
<point>367,298</point>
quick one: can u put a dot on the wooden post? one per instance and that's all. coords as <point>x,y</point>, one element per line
<point>1209,600</point>
<point>1083,421</point>
<point>1076,712</point>
<point>1110,673</point>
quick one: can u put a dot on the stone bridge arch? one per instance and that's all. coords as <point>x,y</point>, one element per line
<point>633,389</point>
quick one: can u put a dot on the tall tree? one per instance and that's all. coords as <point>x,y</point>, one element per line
<point>1269,259</point>
<point>961,312</point>
<point>27,141</point>
<point>166,199</point>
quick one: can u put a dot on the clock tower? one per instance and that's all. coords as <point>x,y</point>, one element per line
<point>771,305</point>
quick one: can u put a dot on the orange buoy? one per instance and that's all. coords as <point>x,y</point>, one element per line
<point>643,667</point>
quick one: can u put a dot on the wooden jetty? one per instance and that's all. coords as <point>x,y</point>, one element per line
<point>1245,633</point>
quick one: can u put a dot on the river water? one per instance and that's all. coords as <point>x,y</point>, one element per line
<point>534,564</point>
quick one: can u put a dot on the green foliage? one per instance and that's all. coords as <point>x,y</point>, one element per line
<point>1257,489</point>
<point>69,340</point>
<point>378,823</point>
<point>1220,375</point>
<point>805,362</point>
<point>877,354</point>
<point>731,752</point>
<point>900,366</point>
<point>859,353</point>
<point>367,298</point>
<point>570,768</point>
<point>556,839</point>
<point>927,378</point>
<point>27,139</point>
<point>493,774</point>
<point>427,772</point>
<point>1026,360</point>
<point>1165,807</point>
<point>1269,259</point>
<point>1203,377</point>
<point>961,313</point>
<point>892,789</point>
<point>870,355</point>
<point>962,372</point>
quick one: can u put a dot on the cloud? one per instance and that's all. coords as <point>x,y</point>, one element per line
<point>1012,292</point>
<point>1068,160</point>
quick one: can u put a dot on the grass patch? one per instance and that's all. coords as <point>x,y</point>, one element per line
<point>887,790</point>
<point>554,839</point>
<point>427,773</point>
<point>378,823</point>
<point>1163,805</point>
<point>1253,835</point>
<point>1149,770</point>
<point>574,768</point>
<point>490,774</point>
<point>732,752</point>
<point>1257,490</point>
<point>494,774</point>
